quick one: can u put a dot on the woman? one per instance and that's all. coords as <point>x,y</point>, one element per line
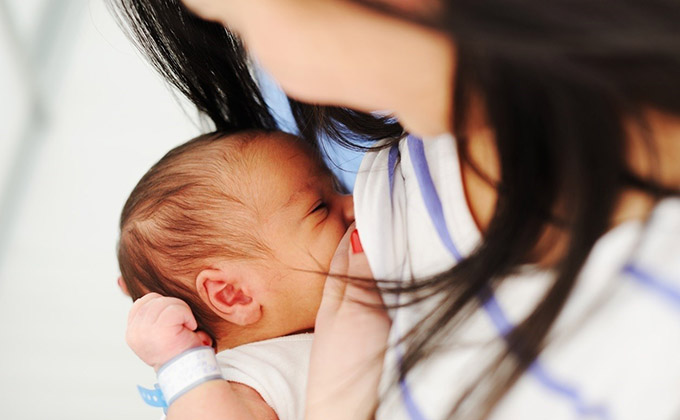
<point>552,245</point>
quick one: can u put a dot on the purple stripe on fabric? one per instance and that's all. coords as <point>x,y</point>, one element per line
<point>490,305</point>
<point>571,393</point>
<point>493,309</point>
<point>410,403</point>
<point>430,196</point>
<point>391,165</point>
<point>661,287</point>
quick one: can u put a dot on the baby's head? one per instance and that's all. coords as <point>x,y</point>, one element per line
<point>241,227</point>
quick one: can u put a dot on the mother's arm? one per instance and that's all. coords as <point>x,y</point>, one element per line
<point>343,53</point>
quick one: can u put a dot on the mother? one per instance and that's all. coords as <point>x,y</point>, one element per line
<point>544,241</point>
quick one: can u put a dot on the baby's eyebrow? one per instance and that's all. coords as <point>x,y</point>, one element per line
<point>297,195</point>
<point>314,179</point>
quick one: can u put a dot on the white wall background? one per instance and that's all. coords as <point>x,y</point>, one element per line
<point>107,117</point>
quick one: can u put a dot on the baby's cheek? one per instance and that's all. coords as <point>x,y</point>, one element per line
<point>323,250</point>
<point>326,251</point>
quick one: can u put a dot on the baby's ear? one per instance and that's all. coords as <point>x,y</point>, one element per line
<point>122,286</point>
<point>226,292</point>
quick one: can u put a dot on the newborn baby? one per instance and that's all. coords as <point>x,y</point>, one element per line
<point>242,229</point>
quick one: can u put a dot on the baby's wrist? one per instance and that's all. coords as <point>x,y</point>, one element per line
<point>181,374</point>
<point>171,355</point>
<point>186,371</point>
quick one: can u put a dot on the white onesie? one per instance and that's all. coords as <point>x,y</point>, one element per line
<point>276,368</point>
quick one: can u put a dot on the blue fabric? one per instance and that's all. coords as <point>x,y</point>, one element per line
<point>662,288</point>
<point>411,406</point>
<point>491,306</point>
<point>430,196</point>
<point>343,162</point>
<point>392,165</point>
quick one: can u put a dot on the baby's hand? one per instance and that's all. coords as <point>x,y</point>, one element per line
<point>159,328</point>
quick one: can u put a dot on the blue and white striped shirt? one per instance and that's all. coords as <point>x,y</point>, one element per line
<point>614,350</point>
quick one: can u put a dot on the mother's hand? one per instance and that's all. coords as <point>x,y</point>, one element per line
<point>350,339</point>
<point>232,12</point>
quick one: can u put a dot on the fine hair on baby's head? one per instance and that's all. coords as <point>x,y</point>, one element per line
<point>188,211</point>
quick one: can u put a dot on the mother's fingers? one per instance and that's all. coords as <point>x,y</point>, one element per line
<point>206,9</point>
<point>336,282</point>
<point>361,286</point>
<point>229,13</point>
<point>350,280</point>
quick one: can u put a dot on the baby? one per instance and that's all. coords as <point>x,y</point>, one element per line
<point>241,228</point>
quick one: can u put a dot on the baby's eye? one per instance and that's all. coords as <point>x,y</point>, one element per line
<point>320,206</point>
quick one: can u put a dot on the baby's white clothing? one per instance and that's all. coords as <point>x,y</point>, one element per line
<point>613,352</point>
<point>276,368</point>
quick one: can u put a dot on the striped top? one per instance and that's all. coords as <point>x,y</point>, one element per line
<point>614,349</point>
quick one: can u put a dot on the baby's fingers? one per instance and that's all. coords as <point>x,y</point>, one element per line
<point>140,306</point>
<point>176,312</point>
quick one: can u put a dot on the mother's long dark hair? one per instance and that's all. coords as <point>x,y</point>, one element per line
<point>209,66</point>
<point>557,78</point>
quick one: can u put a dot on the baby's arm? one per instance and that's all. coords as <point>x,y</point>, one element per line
<point>221,400</point>
<point>349,341</point>
<point>160,328</point>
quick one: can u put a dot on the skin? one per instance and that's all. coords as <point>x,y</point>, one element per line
<point>324,51</point>
<point>301,218</point>
<point>342,323</point>
<point>340,53</point>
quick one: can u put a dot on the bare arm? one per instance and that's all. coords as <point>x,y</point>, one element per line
<point>221,400</point>
<point>160,328</point>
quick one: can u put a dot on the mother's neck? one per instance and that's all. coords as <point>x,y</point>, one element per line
<point>653,154</point>
<point>654,149</point>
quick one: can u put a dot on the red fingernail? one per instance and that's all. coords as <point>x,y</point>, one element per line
<point>356,242</point>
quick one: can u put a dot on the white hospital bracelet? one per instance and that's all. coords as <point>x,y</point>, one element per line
<point>187,371</point>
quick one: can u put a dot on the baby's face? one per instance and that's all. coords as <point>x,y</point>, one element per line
<point>301,218</point>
